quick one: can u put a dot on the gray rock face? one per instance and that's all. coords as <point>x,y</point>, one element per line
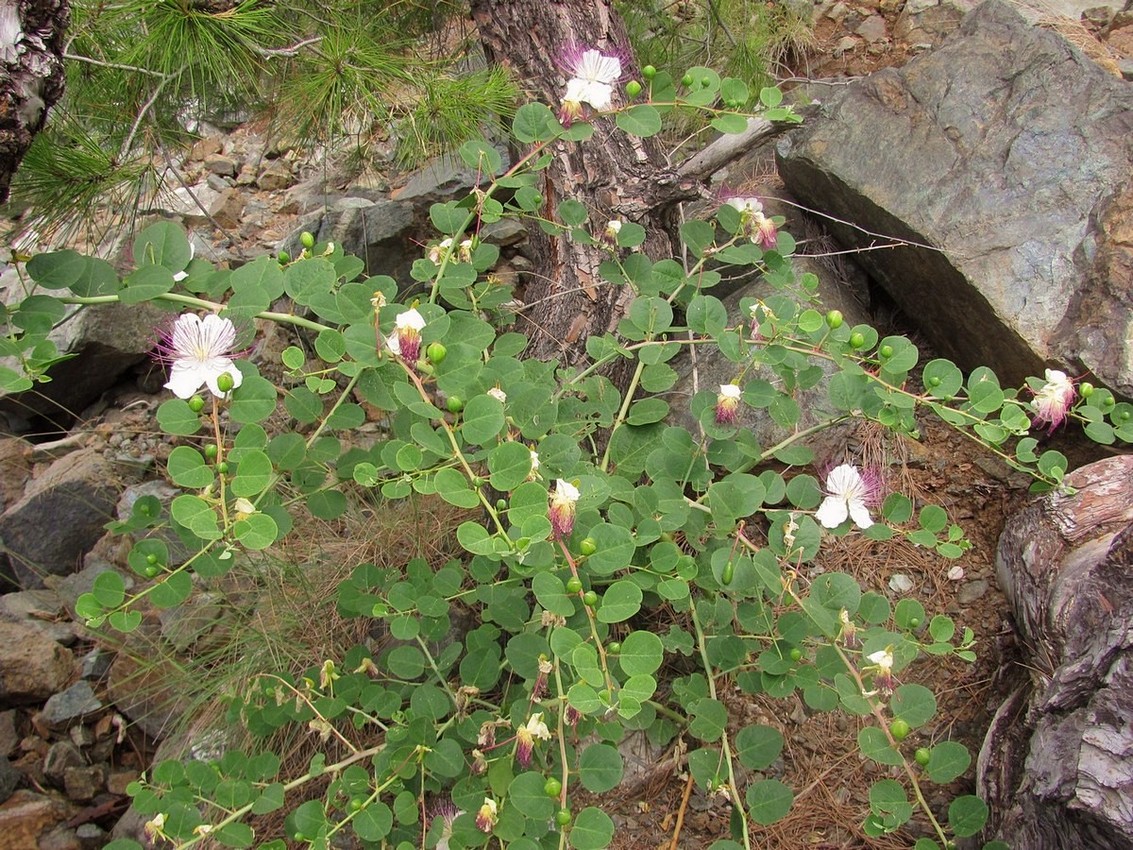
<point>60,517</point>
<point>1009,155</point>
<point>32,665</point>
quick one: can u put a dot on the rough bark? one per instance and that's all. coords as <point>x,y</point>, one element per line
<point>31,50</point>
<point>612,174</point>
<point>1054,765</point>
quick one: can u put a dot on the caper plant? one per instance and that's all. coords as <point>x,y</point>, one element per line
<point>589,511</point>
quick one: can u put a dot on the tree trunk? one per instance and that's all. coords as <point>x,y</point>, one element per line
<point>31,49</point>
<point>614,175</point>
<point>1054,766</point>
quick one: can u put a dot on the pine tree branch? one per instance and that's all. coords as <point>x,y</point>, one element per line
<point>75,57</point>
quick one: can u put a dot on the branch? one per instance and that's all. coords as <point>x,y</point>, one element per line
<point>731,147</point>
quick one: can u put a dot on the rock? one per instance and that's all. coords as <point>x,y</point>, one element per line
<point>61,756</point>
<point>119,780</point>
<point>188,202</point>
<point>221,165</point>
<point>32,665</point>
<point>993,160</point>
<point>9,779</point>
<point>204,148</point>
<point>83,783</point>
<point>227,208</point>
<point>1054,765</point>
<point>91,836</point>
<point>9,734</point>
<point>96,664</point>
<point>27,815</point>
<point>873,29</point>
<point>73,705</point>
<point>61,838</point>
<point>972,590</point>
<point>377,231</point>
<point>929,22</point>
<point>41,608</point>
<point>143,693</point>
<point>60,517</point>
<point>277,175</point>
<point>15,469</point>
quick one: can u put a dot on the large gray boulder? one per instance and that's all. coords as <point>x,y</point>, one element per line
<point>1008,154</point>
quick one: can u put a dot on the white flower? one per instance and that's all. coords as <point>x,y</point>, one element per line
<point>727,404</point>
<point>746,206</point>
<point>534,461</point>
<point>498,394</point>
<point>200,351</point>
<point>406,338</point>
<point>1053,400</point>
<point>537,728</point>
<point>848,494</point>
<point>592,77</point>
<point>487,816</point>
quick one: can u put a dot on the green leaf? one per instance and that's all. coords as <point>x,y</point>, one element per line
<point>874,745</point>
<point>768,801</point>
<point>948,761</point>
<point>374,822</point>
<point>253,400</point>
<point>642,653</point>
<point>253,474</point>
<point>915,704</point>
<point>146,284</point>
<point>483,420</point>
<point>967,815</point>
<point>593,830</point>
<point>175,417</point>
<point>172,590</point>
<point>509,465</point>
<point>257,531</point>
<point>709,718</point>
<point>642,120</point>
<point>188,469</point>
<point>620,601</point>
<point>109,589</point>
<point>534,122</point>
<point>758,746</point>
<point>600,768</point>
<point>526,793</point>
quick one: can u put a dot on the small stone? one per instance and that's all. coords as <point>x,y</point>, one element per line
<point>9,779</point>
<point>873,29</point>
<point>119,780</point>
<point>83,783</point>
<point>32,665</point>
<point>60,838</point>
<point>215,181</point>
<point>972,591</point>
<point>837,12</point>
<point>219,164</point>
<point>276,176</point>
<point>227,208</point>
<point>27,815</point>
<point>81,735</point>
<point>62,755</point>
<point>845,44</point>
<point>956,573</point>
<point>204,148</point>
<point>91,836</point>
<point>9,735</point>
<point>75,703</point>
<point>96,664</point>
<point>900,583</point>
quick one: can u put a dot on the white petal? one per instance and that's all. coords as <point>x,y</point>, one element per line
<point>594,67</point>
<point>832,512</point>
<point>221,366</point>
<point>185,378</point>
<point>410,319</point>
<point>860,514</point>
<point>900,583</point>
<point>730,391</point>
<point>566,491</point>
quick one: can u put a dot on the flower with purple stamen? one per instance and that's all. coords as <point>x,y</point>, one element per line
<point>199,351</point>
<point>1053,400</point>
<point>849,493</point>
<point>591,83</point>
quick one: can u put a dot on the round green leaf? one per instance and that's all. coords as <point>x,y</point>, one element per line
<point>483,420</point>
<point>967,815</point>
<point>642,653</point>
<point>758,746</point>
<point>949,760</point>
<point>768,801</point>
<point>600,768</point>
<point>641,120</point>
<point>620,601</point>
<point>593,830</point>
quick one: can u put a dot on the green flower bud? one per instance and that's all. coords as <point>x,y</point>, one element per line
<point>899,729</point>
<point>455,404</point>
<point>562,818</point>
<point>197,404</point>
<point>686,80</point>
<point>224,382</point>
<point>574,584</point>
<point>436,353</point>
<point>307,240</point>
<point>857,340</point>
<point>590,598</point>
<point>1085,389</point>
<point>886,351</point>
<point>649,72</point>
<point>588,546</point>
<point>834,319</point>
<point>211,451</point>
<point>922,755</point>
<point>284,258</point>
<point>633,89</point>
<point>552,787</point>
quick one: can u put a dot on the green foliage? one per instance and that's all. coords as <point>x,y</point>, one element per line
<point>586,514</point>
